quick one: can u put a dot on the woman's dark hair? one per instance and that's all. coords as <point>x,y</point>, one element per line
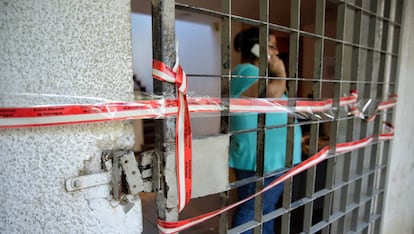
<point>245,40</point>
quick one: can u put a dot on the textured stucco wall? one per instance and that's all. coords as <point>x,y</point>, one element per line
<point>399,196</point>
<point>76,48</point>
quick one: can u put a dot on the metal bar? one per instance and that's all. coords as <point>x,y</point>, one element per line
<point>389,47</point>
<point>263,41</point>
<point>323,193</point>
<point>303,78</point>
<point>213,13</point>
<point>368,91</point>
<point>163,34</point>
<point>331,163</point>
<point>317,93</point>
<point>236,18</point>
<point>225,63</point>
<point>352,123</point>
<point>225,93</point>
<point>277,27</point>
<point>339,215</point>
<point>292,86</point>
<point>383,70</point>
<point>164,50</point>
<point>359,7</point>
<point>254,179</point>
<point>377,210</point>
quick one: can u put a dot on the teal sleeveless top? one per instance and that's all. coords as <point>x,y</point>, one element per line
<point>243,146</point>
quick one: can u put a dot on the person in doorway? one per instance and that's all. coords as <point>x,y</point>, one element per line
<point>244,83</point>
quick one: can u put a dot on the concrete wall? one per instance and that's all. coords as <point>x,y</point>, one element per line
<point>77,48</point>
<point>399,196</point>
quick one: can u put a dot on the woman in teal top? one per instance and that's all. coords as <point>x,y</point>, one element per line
<point>244,83</point>
<point>243,146</point>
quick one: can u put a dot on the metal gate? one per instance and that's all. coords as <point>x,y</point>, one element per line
<point>333,47</point>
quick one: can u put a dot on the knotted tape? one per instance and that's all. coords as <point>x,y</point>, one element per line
<point>177,76</point>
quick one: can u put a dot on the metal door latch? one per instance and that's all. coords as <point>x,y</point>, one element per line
<point>120,169</point>
<point>126,177</point>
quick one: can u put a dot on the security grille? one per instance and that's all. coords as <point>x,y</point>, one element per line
<point>333,47</point>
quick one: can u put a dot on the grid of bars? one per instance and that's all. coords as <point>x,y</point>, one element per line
<point>364,46</point>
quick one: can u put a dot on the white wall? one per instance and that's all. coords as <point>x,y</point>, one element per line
<point>199,53</point>
<point>399,196</point>
<point>142,49</point>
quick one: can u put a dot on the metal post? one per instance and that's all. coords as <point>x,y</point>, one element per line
<point>225,94</point>
<point>163,35</point>
<point>263,76</point>
<point>365,155</point>
<point>337,86</point>
<point>292,92</point>
<point>317,93</point>
<point>351,123</point>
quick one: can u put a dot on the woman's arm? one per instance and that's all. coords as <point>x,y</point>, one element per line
<point>276,87</point>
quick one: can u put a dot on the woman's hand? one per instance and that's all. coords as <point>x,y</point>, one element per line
<point>276,66</point>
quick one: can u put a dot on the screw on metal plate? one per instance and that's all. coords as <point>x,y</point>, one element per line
<point>87,181</point>
<point>76,183</point>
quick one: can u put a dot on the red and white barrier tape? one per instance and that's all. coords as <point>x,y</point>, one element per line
<point>173,227</point>
<point>18,117</point>
<point>183,142</point>
<point>355,110</point>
